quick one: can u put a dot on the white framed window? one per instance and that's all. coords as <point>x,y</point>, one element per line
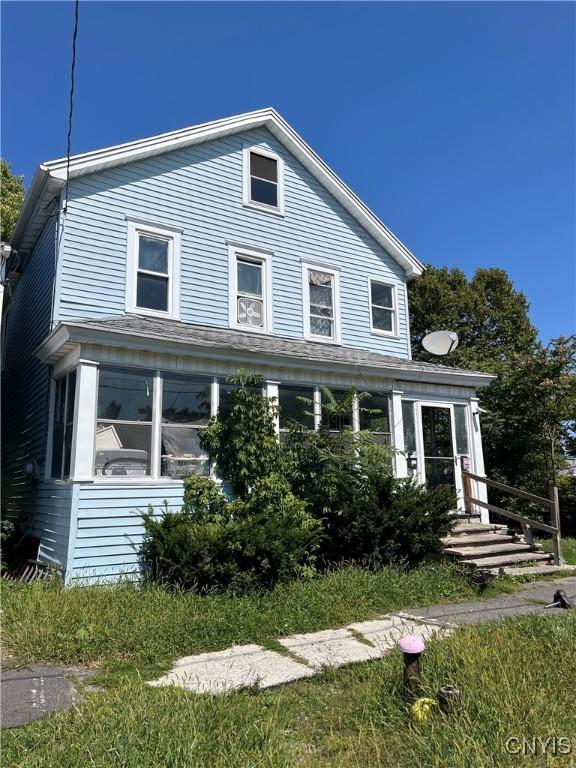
<point>153,274</point>
<point>63,425</point>
<point>263,180</point>
<point>321,302</point>
<point>250,289</point>
<point>382,297</point>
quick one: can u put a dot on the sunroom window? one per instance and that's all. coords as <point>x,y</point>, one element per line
<point>124,422</point>
<point>185,413</point>
<point>296,404</point>
<point>63,425</point>
<point>375,416</point>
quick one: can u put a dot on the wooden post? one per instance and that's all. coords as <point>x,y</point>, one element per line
<point>466,484</point>
<point>557,536</point>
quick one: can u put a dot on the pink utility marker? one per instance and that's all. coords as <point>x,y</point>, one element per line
<point>411,644</point>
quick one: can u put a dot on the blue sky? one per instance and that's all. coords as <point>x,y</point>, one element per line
<point>455,122</point>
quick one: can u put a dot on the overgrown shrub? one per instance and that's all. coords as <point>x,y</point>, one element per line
<point>214,544</point>
<point>367,515</point>
<point>242,439</point>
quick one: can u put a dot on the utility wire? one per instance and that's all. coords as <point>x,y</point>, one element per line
<point>71,103</point>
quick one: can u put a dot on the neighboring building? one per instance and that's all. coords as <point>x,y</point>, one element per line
<point>175,261</point>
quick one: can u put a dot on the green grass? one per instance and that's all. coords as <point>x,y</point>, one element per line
<point>516,679</point>
<point>568,549</point>
<point>125,626</point>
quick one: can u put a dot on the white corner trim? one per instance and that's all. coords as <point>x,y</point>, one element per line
<point>377,331</point>
<point>246,199</point>
<point>84,435</point>
<point>263,256</point>
<point>306,266</point>
<point>136,227</point>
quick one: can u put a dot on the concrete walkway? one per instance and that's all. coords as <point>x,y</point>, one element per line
<point>304,655</point>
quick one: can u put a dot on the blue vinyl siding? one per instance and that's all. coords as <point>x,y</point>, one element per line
<point>52,521</point>
<point>200,190</point>
<point>109,530</point>
<point>25,381</point>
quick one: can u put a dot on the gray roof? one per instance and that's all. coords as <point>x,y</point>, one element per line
<point>201,336</point>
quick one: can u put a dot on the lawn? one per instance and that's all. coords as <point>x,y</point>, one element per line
<point>568,549</point>
<point>516,678</point>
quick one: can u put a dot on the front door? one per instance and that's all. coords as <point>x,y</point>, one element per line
<point>438,453</point>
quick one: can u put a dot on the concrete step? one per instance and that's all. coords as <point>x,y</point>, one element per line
<point>468,539</point>
<point>510,559</point>
<point>489,550</point>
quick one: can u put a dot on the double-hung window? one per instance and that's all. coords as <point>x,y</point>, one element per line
<point>382,308</point>
<point>321,304</point>
<point>263,180</point>
<point>63,425</point>
<point>153,270</point>
<point>250,290</point>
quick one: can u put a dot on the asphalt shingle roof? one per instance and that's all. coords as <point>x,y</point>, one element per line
<point>242,341</point>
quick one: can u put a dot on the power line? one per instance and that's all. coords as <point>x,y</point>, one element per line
<point>71,103</point>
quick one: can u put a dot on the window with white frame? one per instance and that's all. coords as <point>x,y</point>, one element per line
<point>186,410</point>
<point>321,304</point>
<point>374,415</point>
<point>382,307</point>
<point>63,425</point>
<point>153,270</point>
<point>263,180</point>
<point>250,290</point>
<point>296,403</point>
<point>124,422</point>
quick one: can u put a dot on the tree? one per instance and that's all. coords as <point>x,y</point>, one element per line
<point>12,197</point>
<point>488,314</point>
<point>526,411</point>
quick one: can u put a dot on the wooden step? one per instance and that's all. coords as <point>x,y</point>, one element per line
<point>489,550</point>
<point>510,559</point>
<point>478,528</point>
<point>467,539</point>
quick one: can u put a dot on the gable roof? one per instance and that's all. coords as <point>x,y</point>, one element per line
<point>50,177</point>
<point>139,331</point>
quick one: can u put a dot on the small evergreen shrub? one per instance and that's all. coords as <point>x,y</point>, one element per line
<point>214,544</point>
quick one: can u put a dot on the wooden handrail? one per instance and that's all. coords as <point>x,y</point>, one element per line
<point>511,515</point>
<point>526,522</point>
<point>509,489</point>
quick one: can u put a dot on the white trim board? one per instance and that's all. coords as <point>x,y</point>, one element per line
<point>50,176</point>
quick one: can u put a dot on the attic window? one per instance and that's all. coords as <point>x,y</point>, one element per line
<point>263,180</point>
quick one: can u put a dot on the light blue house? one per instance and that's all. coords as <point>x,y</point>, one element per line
<point>163,266</point>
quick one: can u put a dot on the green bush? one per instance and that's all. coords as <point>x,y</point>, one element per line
<point>367,516</point>
<point>242,439</point>
<point>213,544</point>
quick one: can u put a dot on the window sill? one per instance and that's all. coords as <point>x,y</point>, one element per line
<point>323,340</point>
<point>246,329</point>
<point>385,334</point>
<point>264,208</point>
<point>152,313</point>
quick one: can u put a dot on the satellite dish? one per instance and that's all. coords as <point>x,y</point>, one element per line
<point>440,342</point>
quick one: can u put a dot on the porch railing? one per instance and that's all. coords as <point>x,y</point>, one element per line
<point>526,523</point>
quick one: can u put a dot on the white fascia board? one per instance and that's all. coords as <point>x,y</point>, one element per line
<point>90,162</point>
<point>80,334</point>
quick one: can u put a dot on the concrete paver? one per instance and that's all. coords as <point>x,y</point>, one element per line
<point>330,648</point>
<point>241,666</point>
